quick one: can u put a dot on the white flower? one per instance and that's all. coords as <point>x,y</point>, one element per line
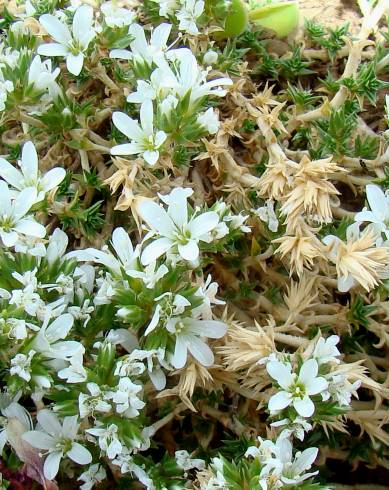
<point>185,462</point>
<point>75,372</point>
<point>266,213</point>
<point>12,410</point>
<point>108,439</point>
<point>149,275</point>
<point>209,120</point>
<point>144,140</point>
<point>73,45</point>
<point>95,402</point>
<point>174,228</point>
<point>141,51</point>
<point>296,390</point>
<point>379,209</point>
<point>125,398</point>
<point>58,440</point>
<point>115,16</point>
<point>190,11</point>
<point>56,248</point>
<point>340,388</point>
<point>298,427</point>
<point>326,351</point>
<point>21,365</point>
<point>166,7</point>
<point>208,293</point>
<point>169,305</point>
<point>28,176</point>
<point>94,474</point>
<point>190,78</point>
<point>41,76</point>
<point>160,82</point>
<point>189,334</point>
<point>13,219</point>
<point>122,245</point>
<point>279,466</point>
<point>49,341</point>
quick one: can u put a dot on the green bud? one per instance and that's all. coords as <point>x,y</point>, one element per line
<point>282,18</point>
<point>236,20</point>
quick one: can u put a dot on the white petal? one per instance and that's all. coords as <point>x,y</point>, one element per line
<point>203,224</point>
<point>29,160</point>
<point>70,426</point>
<point>308,371</point>
<point>147,116</point>
<point>305,460</point>
<point>180,353</point>
<point>367,216</point>
<point>281,373</point>
<point>190,251</point>
<point>125,149</point>
<point>74,63</point>
<point>38,439</point>
<point>345,283</point>
<point>122,54</point>
<point>60,327</point>
<point>316,386</point>
<point>127,126</point>
<point>151,157</point>
<point>53,178</point>
<point>57,30</point>
<point>157,218</point>
<point>9,173</point>
<point>200,351</point>
<point>49,421</point>
<point>5,199</point>
<point>23,202</point>
<point>155,249</point>
<point>376,198</point>
<point>79,454</point>
<point>178,205</point>
<point>208,328</point>
<point>53,49</point>
<point>82,24</point>
<point>279,401</point>
<point>122,244</point>
<point>158,378</point>
<point>29,227</point>
<point>160,35</point>
<point>304,407</point>
<point>51,466</point>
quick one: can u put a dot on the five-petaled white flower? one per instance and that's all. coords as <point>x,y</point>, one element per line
<point>326,351</point>
<point>41,76</point>
<point>58,440</point>
<point>190,11</point>
<point>13,219</point>
<point>296,389</point>
<point>144,140</point>
<point>190,335</point>
<point>141,51</point>
<point>73,45</point>
<point>379,209</point>
<point>93,475</point>
<point>28,175</point>
<point>174,227</point>
<point>115,16</point>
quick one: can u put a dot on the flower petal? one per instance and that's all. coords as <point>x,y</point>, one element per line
<point>29,163</point>
<point>279,401</point>
<point>51,466</point>
<point>79,454</point>
<point>127,126</point>
<point>155,249</point>
<point>208,328</point>
<point>190,251</point>
<point>376,198</point>
<point>203,224</point>
<point>53,49</point>
<point>180,353</point>
<point>82,25</point>
<point>281,373</point>
<point>308,371</point>
<point>53,178</point>
<point>9,173</point>
<point>157,218</point>
<point>200,351</point>
<point>39,439</point>
<point>57,30</point>
<point>49,421</point>
<point>29,227</point>
<point>304,407</point>
<point>74,63</point>
<point>151,157</point>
